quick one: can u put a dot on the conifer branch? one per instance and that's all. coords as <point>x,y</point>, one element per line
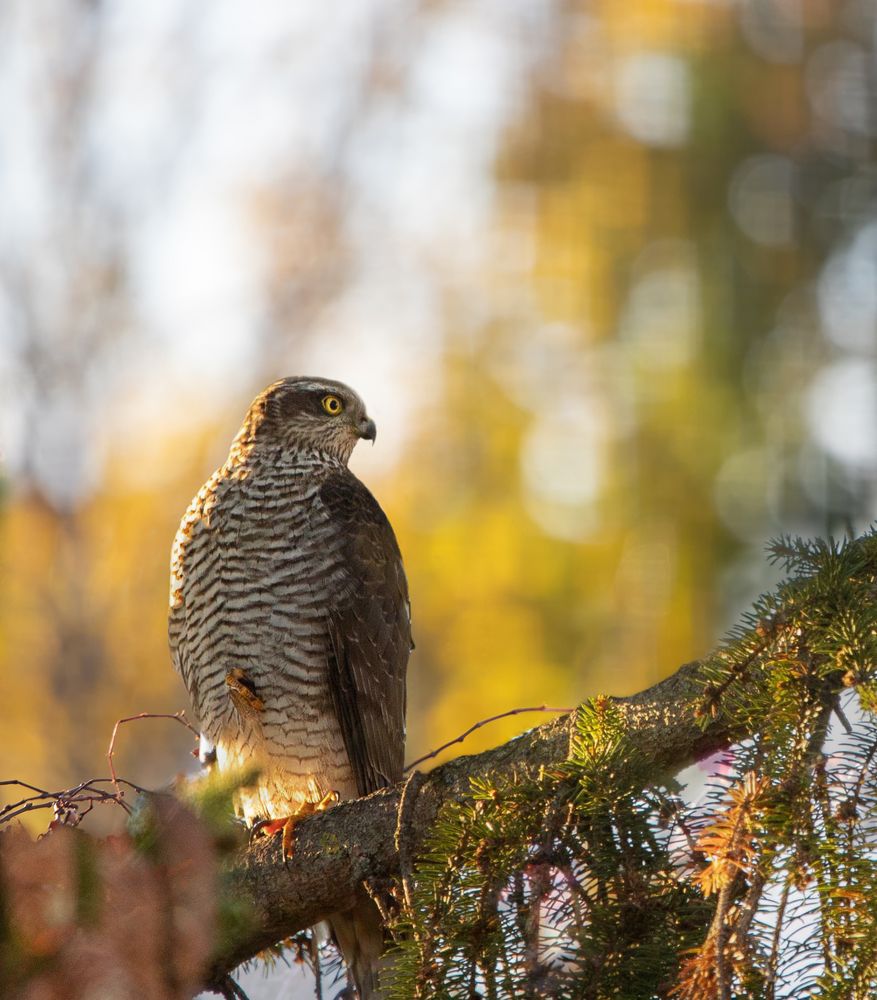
<point>355,841</point>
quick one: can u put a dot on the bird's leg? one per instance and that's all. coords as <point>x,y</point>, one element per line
<point>287,824</point>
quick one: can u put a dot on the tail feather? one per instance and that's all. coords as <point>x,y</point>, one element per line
<point>360,936</point>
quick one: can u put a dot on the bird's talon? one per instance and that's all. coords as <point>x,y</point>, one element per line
<point>329,799</point>
<point>287,824</point>
<point>288,844</point>
<point>258,829</point>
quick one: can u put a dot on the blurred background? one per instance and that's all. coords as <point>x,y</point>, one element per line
<point>605,274</point>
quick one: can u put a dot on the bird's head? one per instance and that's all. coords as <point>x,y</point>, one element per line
<point>307,414</point>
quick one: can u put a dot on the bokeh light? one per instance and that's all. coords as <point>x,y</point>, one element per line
<point>605,274</point>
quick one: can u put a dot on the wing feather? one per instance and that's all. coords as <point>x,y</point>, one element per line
<point>370,635</point>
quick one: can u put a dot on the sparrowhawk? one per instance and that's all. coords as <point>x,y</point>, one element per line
<point>289,620</point>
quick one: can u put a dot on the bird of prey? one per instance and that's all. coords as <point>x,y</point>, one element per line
<point>290,623</point>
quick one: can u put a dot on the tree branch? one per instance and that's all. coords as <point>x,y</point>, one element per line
<point>357,840</point>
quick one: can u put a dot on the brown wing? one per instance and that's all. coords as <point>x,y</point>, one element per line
<point>370,635</point>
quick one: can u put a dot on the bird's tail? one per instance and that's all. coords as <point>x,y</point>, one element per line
<point>360,936</point>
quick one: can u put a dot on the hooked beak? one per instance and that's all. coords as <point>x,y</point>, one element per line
<point>367,430</point>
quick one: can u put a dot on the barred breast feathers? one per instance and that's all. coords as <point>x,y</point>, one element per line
<point>249,583</point>
<point>219,492</point>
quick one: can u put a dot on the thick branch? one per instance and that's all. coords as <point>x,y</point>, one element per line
<point>337,850</point>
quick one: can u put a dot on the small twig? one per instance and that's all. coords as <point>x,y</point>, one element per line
<point>478,725</point>
<point>178,716</point>
<point>86,794</point>
<point>722,930</point>
<point>377,890</point>
<point>779,926</point>
<point>839,712</point>
<point>24,784</point>
<point>403,839</point>
<point>231,990</point>
<point>72,804</point>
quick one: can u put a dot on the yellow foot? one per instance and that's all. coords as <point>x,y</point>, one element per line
<point>242,692</point>
<point>287,824</point>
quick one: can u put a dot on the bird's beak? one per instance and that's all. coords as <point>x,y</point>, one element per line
<point>367,430</point>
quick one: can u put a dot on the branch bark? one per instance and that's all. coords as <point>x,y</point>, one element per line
<point>360,839</point>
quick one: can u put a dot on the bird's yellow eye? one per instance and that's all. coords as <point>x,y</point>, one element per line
<point>332,405</point>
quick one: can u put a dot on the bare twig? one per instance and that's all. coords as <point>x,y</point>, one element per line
<point>402,838</point>
<point>178,716</point>
<point>779,927</point>
<point>70,805</point>
<point>231,990</point>
<point>484,722</point>
<point>721,931</point>
<point>837,708</point>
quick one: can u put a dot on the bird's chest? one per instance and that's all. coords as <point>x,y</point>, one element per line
<point>262,577</point>
<point>278,544</point>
